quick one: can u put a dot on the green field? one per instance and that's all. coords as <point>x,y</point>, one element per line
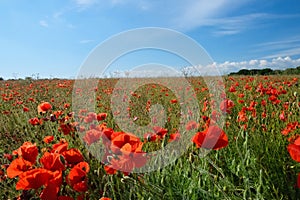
<point>261,121</point>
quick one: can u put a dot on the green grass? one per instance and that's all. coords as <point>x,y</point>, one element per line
<point>255,164</point>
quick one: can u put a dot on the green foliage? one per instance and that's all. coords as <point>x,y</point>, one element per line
<point>267,71</point>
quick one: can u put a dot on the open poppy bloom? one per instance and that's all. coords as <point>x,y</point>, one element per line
<point>35,121</point>
<point>92,136</point>
<point>52,186</point>
<point>17,167</point>
<point>44,107</point>
<point>48,139</point>
<point>33,179</point>
<point>211,138</point>
<point>126,163</point>
<point>160,132</point>
<point>60,147</point>
<point>77,177</point>
<point>73,156</point>
<point>126,143</point>
<point>294,150</point>
<point>28,151</point>
<point>226,106</point>
<point>52,161</point>
<point>174,137</point>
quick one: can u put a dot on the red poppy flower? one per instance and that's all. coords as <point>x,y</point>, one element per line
<point>173,101</point>
<point>28,151</point>
<point>105,198</point>
<point>109,170</point>
<point>174,137</point>
<point>232,89</point>
<point>77,177</point>
<point>25,109</point>
<point>92,136</point>
<point>160,132</point>
<point>91,116</point>
<point>8,156</point>
<point>212,138</point>
<point>298,181</point>
<point>226,106</point>
<point>66,105</point>
<point>282,116</point>
<point>191,125</point>
<point>294,151</point>
<point>126,143</point>
<point>73,156</point>
<point>48,139</point>
<point>150,137</point>
<point>66,128</point>
<point>52,161</point>
<point>17,167</point>
<point>60,147</point>
<point>44,107</point>
<point>126,163</point>
<point>52,186</point>
<point>35,121</point>
<point>33,179</point>
<point>242,117</point>
<point>101,116</point>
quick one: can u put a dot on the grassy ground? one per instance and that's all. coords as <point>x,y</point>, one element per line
<point>254,165</point>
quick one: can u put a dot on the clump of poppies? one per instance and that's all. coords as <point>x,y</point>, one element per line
<point>58,169</point>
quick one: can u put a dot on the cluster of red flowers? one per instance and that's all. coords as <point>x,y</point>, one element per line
<point>294,146</point>
<point>123,151</point>
<point>46,173</point>
<point>59,170</point>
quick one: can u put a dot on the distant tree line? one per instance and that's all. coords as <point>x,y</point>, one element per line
<point>267,71</point>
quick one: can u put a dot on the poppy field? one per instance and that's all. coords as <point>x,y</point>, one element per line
<point>254,153</point>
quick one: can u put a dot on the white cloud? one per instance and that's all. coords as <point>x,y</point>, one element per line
<point>228,67</point>
<point>275,63</point>
<point>43,23</point>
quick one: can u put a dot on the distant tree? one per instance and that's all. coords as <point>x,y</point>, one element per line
<point>1,79</point>
<point>28,78</point>
<point>266,71</point>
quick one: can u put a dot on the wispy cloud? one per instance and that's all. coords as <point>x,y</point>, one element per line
<point>85,2</point>
<point>235,24</point>
<point>85,41</point>
<point>280,48</point>
<point>286,52</point>
<point>192,14</point>
<point>220,15</point>
<point>43,23</point>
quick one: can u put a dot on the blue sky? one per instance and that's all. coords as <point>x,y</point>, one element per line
<point>53,38</point>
